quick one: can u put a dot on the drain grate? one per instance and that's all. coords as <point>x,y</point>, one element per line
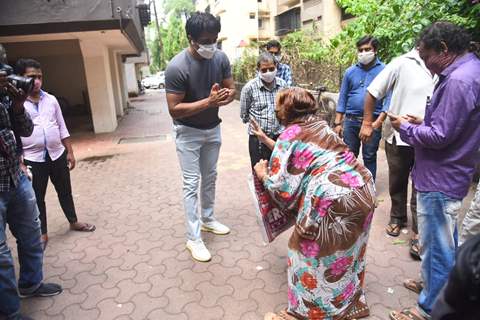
<point>160,137</point>
<point>98,158</point>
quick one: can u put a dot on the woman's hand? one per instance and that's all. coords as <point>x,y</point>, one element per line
<point>256,130</point>
<point>261,170</point>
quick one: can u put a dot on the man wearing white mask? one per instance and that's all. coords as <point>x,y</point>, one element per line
<point>257,102</point>
<point>284,71</point>
<point>349,117</point>
<point>198,81</point>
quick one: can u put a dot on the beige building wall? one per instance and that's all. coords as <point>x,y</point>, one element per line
<point>96,59</point>
<point>240,23</point>
<point>62,66</point>
<point>240,20</point>
<point>323,16</point>
<point>332,19</point>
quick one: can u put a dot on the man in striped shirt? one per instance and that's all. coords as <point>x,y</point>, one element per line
<point>284,71</point>
<point>257,102</point>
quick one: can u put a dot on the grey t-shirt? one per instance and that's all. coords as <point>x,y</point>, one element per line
<point>195,78</point>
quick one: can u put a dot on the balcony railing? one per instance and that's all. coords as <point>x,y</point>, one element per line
<point>287,3</point>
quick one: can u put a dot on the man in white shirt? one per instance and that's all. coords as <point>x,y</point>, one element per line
<point>411,84</point>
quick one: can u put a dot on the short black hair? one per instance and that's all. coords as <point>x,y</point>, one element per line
<point>273,44</point>
<point>368,39</point>
<point>23,64</point>
<point>200,22</point>
<point>455,37</point>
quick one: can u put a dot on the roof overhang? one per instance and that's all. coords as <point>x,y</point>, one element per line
<point>125,26</point>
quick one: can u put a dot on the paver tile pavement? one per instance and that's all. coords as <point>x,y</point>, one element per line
<point>135,266</point>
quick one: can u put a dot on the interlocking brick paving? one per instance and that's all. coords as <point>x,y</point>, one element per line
<point>135,266</point>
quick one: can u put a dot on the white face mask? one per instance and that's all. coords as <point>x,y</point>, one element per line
<point>366,57</point>
<point>268,77</point>
<point>207,50</point>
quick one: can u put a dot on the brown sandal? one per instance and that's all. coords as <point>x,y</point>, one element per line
<point>360,310</point>
<point>405,314</point>
<point>415,249</point>
<point>393,229</point>
<point>413,285</point>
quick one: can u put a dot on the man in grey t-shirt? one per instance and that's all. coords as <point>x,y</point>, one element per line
<point>198,81</point>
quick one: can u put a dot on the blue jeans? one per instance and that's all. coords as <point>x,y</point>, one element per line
<point>437,224</point>
<point>198,152</point>
<point>351,130</point>
<point>18,208</point>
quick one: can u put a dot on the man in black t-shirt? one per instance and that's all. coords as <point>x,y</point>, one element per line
<point>198,81</point>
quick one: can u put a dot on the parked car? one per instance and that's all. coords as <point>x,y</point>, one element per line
<point>156,81</point>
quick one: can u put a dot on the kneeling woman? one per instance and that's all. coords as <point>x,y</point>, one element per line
<point>313,175</point>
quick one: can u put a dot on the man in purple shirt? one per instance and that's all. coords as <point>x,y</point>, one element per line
<point>446,146</point>
<point>48,151</point>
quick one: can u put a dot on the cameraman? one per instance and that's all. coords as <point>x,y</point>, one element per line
<point>18,207</point>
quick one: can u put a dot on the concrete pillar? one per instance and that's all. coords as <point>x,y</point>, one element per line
<point>331,19</point>
<point>131,77</point>
<point>123,82</point>
<point>100,85</point>
<point>112,57</point>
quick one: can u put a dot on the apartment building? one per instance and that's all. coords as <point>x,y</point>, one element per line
<point>323,17</point>
<point>255,20</point>
<point>91,51</point>
<point>242,22</point>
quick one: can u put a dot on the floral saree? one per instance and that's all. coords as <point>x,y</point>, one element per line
<point>314,178</point>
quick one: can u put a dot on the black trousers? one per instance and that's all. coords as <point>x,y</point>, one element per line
<point>400,163</point>
<point>59,174</point>
<point>258,151</point>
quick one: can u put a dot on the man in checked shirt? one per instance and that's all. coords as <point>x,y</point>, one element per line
<point>18,208</point>
<point>257,103</point>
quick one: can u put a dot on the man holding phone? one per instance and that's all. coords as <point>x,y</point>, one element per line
<point>446,146</point>
<point>410,84</point>
<point>198,81</point>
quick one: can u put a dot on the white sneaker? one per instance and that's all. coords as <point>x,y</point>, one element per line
<point>215,227</point>
<point>198,250</point>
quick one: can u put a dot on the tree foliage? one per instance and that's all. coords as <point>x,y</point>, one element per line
<point>179,8</point>
<point>396,23</point>
<point>172,33</point>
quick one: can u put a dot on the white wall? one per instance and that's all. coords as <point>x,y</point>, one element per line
<point>100,85</point>
<point>62,66</point>
<point>131,77</point>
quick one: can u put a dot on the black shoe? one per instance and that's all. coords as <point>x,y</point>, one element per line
<point>45,290</point>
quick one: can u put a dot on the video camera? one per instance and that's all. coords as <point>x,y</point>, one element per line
<point>19,82</point>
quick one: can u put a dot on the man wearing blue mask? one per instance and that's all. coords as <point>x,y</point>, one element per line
<point>198,81</point>
<point>257,104</point>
